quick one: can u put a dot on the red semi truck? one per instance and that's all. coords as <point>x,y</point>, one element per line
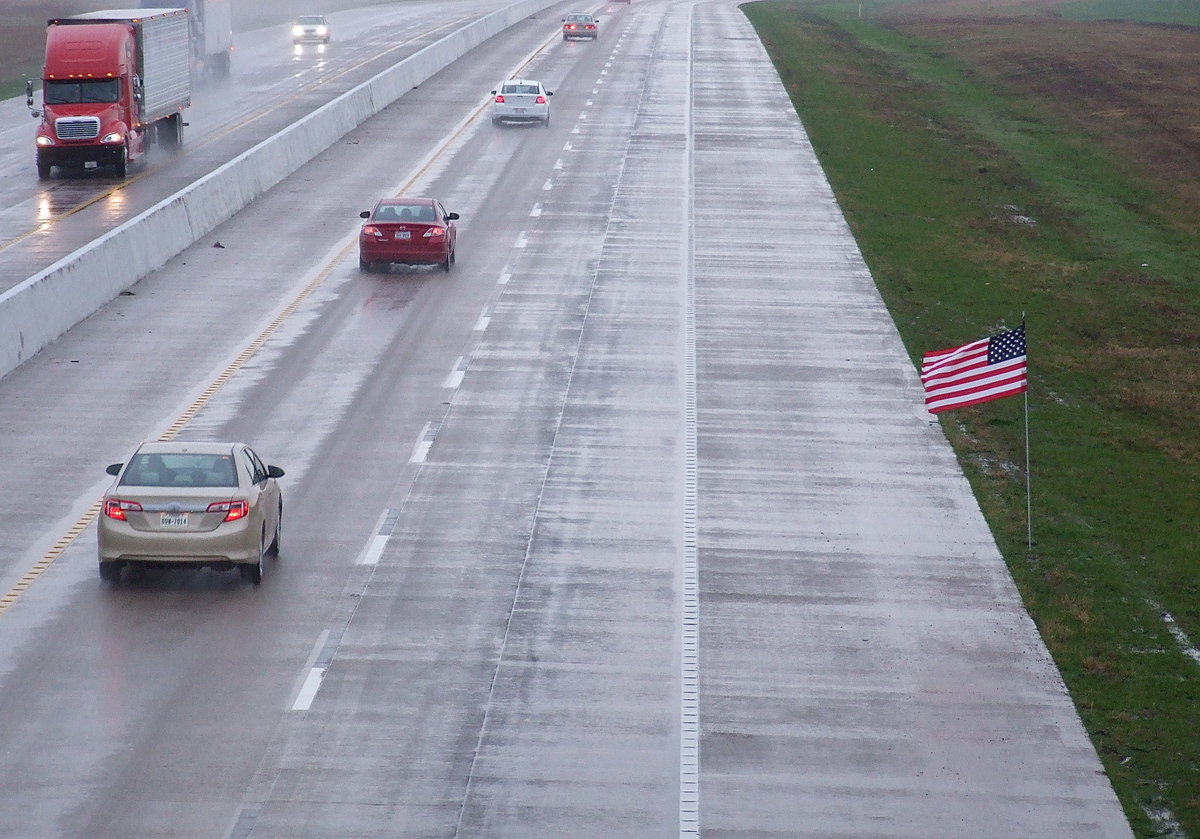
<point>114,84</point>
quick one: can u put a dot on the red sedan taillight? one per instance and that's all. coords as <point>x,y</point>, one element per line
<point>500,98</point>
<point>115,508</point>
<point>435,232</point>
<point>371,230</point>
<point>233,510</point>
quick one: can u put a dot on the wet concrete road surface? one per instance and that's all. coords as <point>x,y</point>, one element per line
<point>632,525</point>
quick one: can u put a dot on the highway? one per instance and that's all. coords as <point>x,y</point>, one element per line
<point>632,525</point>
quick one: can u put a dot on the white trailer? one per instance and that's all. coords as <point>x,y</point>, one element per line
<point>211,34</point>
<point>212,22</point>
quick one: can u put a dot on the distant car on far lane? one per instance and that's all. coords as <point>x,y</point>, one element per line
<point>310,29</point>
<point>521,100</point>
<point>191,504</point>
<point>580,25</point>
<point>408,231</point>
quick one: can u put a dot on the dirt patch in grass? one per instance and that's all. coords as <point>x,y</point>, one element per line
<point>1132,88</point>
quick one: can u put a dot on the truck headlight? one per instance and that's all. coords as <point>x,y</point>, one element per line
<point>112,137</point>
<point>43,140</point>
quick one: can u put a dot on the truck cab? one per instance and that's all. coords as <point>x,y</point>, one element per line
<point>90,98</point>
<point>112,86</point>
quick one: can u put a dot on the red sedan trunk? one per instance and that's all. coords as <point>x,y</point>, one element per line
<point>409,232</point>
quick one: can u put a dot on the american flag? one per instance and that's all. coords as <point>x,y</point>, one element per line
<point>983,370</point>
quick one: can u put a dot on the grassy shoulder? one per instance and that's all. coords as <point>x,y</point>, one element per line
<point>1179,12</point>
<point>973,205</point>
<point>12,88</point>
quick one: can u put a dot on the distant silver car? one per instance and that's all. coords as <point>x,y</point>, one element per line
<point>310,29</point>
<point>191,504</point>
<point>580,25</point>
<point>521,100</point>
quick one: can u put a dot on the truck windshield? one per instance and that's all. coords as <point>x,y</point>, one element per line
<point>85,90</point>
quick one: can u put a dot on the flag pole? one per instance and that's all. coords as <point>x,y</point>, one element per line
<point>1028,470</point>
<point>1028,489</point>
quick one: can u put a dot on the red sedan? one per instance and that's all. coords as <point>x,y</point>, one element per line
<point>409,231</point>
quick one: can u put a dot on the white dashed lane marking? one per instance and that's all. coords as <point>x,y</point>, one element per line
<point>456,375</point>
<point>383,531</point>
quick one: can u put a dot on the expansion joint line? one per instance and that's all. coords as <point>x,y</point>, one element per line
<point>689,696</point>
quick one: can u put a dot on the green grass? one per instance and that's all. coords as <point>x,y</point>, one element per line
<point>972,206</point>
<point>11,88</point>
<point>1179,12</point>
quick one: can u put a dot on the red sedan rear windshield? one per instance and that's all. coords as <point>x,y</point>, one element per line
<point>403,212</point>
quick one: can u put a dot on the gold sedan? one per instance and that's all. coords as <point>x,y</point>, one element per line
<point>191,504</point>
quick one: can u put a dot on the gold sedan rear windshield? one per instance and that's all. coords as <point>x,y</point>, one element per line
<point>180,470</point>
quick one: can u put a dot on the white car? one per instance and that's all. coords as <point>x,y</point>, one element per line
<point>310,29</point>
<point>521,100</point>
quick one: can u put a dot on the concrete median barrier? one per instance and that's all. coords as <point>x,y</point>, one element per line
<point>43,307</point>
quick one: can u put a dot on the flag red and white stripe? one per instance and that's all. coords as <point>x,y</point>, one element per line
<point>983,370</point>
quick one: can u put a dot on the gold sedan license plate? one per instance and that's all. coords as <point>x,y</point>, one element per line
<point>173,520</point>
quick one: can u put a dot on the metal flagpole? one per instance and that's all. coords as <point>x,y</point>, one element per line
<point>1028,471</point>
<point>1028,489</point>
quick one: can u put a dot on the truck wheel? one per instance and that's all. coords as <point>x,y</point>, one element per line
<point>43,167</point>
<point>122,165</point>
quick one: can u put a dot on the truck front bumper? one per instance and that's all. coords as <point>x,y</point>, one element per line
<point>81,157</point>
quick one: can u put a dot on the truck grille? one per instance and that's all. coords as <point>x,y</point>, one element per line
<point>77,128</point>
